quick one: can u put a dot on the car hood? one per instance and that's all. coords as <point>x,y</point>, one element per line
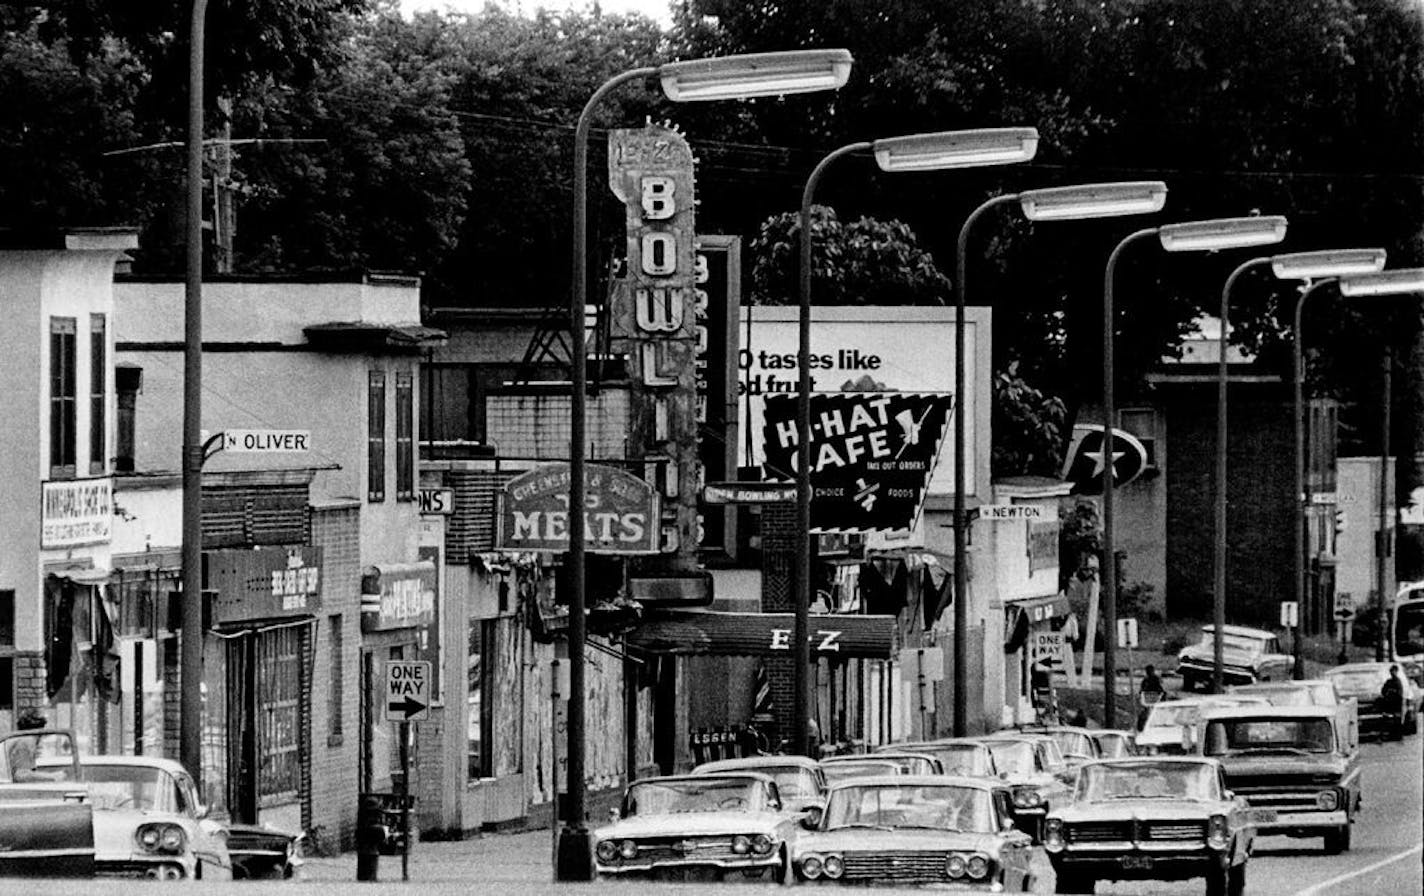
<point>1141,810</point>
<point>692,824</point>
<point>1229,657</point>
<point>899,840</point>
<point>1280,764</point>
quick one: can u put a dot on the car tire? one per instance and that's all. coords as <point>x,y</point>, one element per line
<point>1236,880</point>
<point>1075,883</point>
<point>782,875</point>
<point>1338,840</point>
<point>1218,880</point>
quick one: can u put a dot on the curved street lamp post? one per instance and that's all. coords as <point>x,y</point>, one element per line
<point>729,77</point>
<point>1050,204</point>
<point>916,152</point>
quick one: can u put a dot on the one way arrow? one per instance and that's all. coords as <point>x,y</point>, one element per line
<point>407,707</point>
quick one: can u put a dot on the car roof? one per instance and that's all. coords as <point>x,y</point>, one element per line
<point>755,762</point>
<point>886,756</point>
<point>158,762</point>
<point>1271,712</point>
<point>1247,631</point>
<point>1215,700</point>
<point>1153,760</point>
<point>920,781</point>
<point>702,778</point>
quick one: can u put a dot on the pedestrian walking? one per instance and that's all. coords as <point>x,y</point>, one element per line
<point>1148,693</point>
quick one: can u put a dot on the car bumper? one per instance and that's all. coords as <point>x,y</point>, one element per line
<point>731,863</point>
<point>156,868</point>
<point>1299,820</point>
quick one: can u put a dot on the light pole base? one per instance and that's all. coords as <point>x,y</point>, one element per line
<point>574,861</point>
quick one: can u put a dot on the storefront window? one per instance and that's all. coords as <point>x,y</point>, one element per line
<point>478,702</point>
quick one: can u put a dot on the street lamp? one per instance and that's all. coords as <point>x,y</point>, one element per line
<point>1397,282</point>
<point>729,77</point>
<point>1334,264</point>
<point>1187,236</point>
<point>916,152</point>
<point>1048,204</point>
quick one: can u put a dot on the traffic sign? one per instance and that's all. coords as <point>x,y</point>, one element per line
<point>266,441</point>
<point>1290,614</point>
<point>1344,606</point>
<point>1010,512</point>
<point>1048,649</point>
<point>918,663</point>
<point>1127,633</point>
<point>407,690</point>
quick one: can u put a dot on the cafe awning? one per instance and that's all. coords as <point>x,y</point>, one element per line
<point>712,633</point>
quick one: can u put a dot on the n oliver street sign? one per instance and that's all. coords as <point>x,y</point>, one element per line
<point>261,441</point>
<point>620,512</point>
<point>872,454</point>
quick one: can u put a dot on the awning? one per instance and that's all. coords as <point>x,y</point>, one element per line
<point>87,575</point>
<point>710,633</point>
<point>1041,609</point>
<point>393,338</point>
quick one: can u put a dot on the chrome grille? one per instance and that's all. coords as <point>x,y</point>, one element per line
<point>1282,800</point>
<point>672,848</point>
<point>906,866</point>
<point>1160,830</point>
<point>1099,831</point>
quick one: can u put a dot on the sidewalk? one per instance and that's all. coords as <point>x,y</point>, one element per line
<point>522,858</point>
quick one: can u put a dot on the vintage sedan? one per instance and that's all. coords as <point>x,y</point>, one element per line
<point>1363,681</point>
<point>1150,818</point>
<point>1248,655</point>
<point>704,825</point>
<point>148,821</point>
<point>46,823</point>
<point>910,763</point>
<point>957,756</point>
<point>799,779</point>
<point>1034,770</point>
<point>1114,743</point>
<point>903,829</point>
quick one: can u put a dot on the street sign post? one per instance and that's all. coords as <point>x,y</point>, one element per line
<point>407,700</point>
<point>1344,618</point>
<point>1002,512</point>
<point>926,665</point>
<point>1127,632</point>
<point>1290,614</point>
<point>1290,618</point>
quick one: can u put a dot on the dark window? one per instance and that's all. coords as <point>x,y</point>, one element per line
<point>376,437</point>
<point>127,382</point>
<point>7,683</point>
<point>61,396</point>
<point>7,618</point>
<point>479,699</point>
<point>98,394</point>
<point>405,436</point>
<point>336,697</point>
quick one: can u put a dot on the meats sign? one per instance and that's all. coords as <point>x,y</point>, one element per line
<point>872,454</point>
<point>620,512</point>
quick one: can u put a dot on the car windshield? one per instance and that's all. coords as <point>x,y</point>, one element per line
<point>843,771</point>
<point>1240,643</point>
<point>1074,743</point>
<point>792,781</point>
<point>1269,736</point>
<point>1137,781</point>
<point>940,807</point>
<point>130,787</point>
<point>1114,746</point>
<point>1362,682</point>
<point>1014,757</point>
<point>702,795</point>
<point>962,759</point>
<point>913,765</point>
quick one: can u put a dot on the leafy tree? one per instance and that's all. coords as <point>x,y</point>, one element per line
<point>1028,427</point>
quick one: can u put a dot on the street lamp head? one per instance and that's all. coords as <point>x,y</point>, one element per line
<point>956,149</point>
<point>1223,233</point>
<point>1094,200</point>
<point>1384,283</point>
<point>755,74</point>
<point>1327,263</point>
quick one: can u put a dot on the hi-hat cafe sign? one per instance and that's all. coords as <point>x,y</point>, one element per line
<point>620,511</point>
<point>872,455</point>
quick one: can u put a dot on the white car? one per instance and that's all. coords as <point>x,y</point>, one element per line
<point>1170,723</point>
<point>148,821</point>
<point>1248,655</point>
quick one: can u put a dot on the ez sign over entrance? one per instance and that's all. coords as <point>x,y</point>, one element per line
<point>407,690</point>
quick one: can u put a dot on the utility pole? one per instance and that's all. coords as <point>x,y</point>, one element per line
<point>1382,542</point>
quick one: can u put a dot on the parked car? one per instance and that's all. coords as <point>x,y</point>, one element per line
<point>1168,724</point>
<point>1363,682</point>
<point>148,821</point>
<point>46,824</point>
<point>1249,655</point>
<point>957,756</point>
<point>905,829</point>
<point>848,767</point>
<point>1151,818</point>
<point>1294,765</point>
<point>1114,743</point>
<point>799,779</point>
<point>1034,770</point>
<point>909,763</point>
<point>1076,744</point>
<point>707,824</point>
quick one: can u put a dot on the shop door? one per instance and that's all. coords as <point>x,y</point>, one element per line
<point>268,713</point>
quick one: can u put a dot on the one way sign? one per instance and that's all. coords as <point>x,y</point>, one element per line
<point>407,690</point>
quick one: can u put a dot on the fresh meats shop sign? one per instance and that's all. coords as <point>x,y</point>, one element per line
<point>872,454</point>
<point>620,511</point>
<point>76,511</point>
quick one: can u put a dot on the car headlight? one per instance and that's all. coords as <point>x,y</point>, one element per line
<point>165,838</point>
<point>762,844</point>
<point>1053,835</point>
<point>833,867</point>
<point>1327,800</point>
<point>811,867</point>
<point>607,850</point>
<point>978,867</point>
<point>955,866</point>
<point>147,837</point>
<point>628,849</point>
<point>741,845</point>
<point>1027,798</point>
<point>1217,832</point>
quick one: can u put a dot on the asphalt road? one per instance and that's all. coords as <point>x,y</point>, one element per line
<point>1385,860</point>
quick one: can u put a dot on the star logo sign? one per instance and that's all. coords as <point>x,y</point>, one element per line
<point>1097,457</point>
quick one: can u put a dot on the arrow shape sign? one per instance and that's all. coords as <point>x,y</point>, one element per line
<point>407,708</point>
<point>407,690</point>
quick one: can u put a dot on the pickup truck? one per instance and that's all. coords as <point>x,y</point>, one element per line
<point>46,820</point>
<point>1296,766</point>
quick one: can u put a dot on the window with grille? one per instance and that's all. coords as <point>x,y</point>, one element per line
<point>281,675</point>
<point>405,436</point>
<point>62,396</point>
<point>376,437</point>
<point>98,394</point>
<point>336,696</point>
